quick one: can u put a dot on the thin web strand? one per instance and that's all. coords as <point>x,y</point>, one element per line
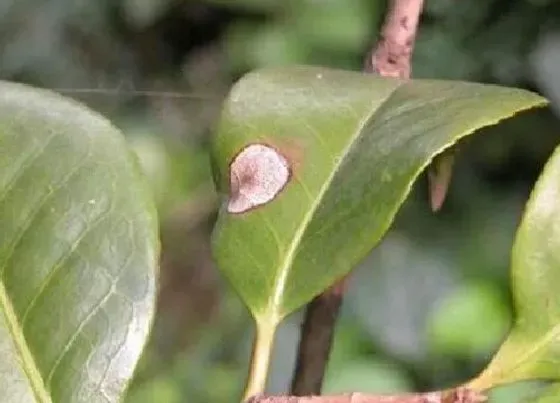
<point>141,93</point>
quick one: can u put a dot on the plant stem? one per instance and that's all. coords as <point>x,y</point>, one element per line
<point>392,55</point>
<point>317,334</point>
<point>390,58</point>
<point>459,395</point>
<point>263,344</point>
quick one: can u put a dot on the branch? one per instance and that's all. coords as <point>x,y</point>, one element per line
<point>459,395</point>
<point>317,335</point>
<point>391,58</point>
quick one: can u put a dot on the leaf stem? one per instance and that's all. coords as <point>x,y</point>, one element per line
<point>263,344</point>
<point>392,55</point>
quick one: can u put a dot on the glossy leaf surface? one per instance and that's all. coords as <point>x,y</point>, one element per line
<point>532,349</point>
<point>354,144</point>
<point>78,252</point>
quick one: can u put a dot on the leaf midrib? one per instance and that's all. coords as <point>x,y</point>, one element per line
<point>28,363</point>
<point>272,314</point>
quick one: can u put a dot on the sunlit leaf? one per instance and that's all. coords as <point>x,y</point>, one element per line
<point>78,252</point>
<point>532,349</point>
<point>550,395</point>
<point>519,392</point>
<point>353,144</point>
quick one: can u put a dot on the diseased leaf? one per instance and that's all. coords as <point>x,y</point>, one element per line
<point>78,252</point>
<point>532,349</point>
<point>353,144</point>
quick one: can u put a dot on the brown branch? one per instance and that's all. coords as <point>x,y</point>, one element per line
<point>459,395</point>
<point>391,58</point>
<point>316,339</point>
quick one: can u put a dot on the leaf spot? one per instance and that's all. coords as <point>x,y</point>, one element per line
<point>257,174</point>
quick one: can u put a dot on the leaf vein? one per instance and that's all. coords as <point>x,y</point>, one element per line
<point>75,334</point>
<point>22,169</point>
<point>34,213</point>
<point>282,275</point>
<point>60,264</point>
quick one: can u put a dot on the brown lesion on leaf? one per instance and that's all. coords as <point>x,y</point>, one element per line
<point>293,149</point>
<point>258,173</point>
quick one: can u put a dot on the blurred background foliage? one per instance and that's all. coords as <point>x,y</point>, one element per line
<point>432,302</point>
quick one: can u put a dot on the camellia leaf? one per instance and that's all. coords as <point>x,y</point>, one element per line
<point>316,163</point>
<point>532,349</point>
<point>78,252</point>
<point>321,161</point>
<point>550,395</point>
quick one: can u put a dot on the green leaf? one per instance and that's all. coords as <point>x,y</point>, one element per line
<point>532,349</point>
<point>78,252</point>
<point>316,163</point>
<point>354,144</point>
<point>519,392</point>
<point>550,395</point>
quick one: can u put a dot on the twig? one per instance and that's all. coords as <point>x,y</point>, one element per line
<point>459,395</point>
<point>317,334</point>
<point>391,58</point>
